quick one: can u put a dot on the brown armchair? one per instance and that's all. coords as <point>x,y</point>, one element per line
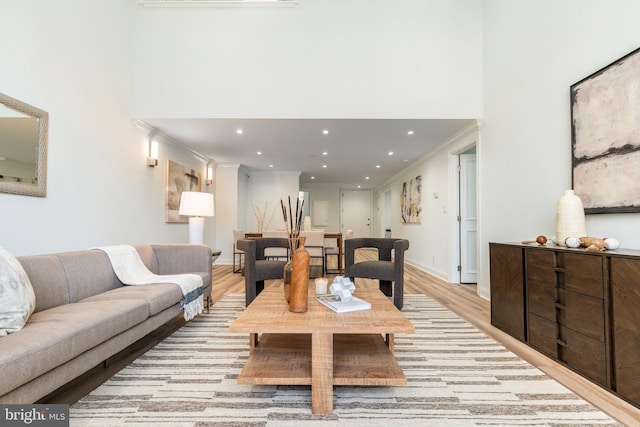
<point>384,269</point>
<point>257,268</point>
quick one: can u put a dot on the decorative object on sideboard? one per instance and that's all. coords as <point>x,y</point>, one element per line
<point>541,240</point>
<point>611,243</point>
<point>570,220</point>
<point>196,206</point>
<point>593,244</point>
<point>307,223</point>
<point>572,242</point>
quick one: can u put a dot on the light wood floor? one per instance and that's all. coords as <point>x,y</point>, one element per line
<point>461,299</point>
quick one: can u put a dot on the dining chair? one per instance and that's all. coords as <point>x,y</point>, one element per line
<point>276,253</point>
<point>314,243</point>
<point>334,251</point>
<point>237,253</point>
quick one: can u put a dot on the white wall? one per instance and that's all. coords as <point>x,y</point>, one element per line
<point>329,58</point>
<point>228,193</point>
<point>269,188</point>
<point>335,59</point>
<point>533,52</point>
<point>329,193</point>
<point>430,242</point>
<point>72,58</point>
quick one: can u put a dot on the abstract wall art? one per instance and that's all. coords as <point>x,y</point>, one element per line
<point>605,134</point>
<point>411,201</point>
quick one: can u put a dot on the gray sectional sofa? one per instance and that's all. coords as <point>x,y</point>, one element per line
<point>85,315</point>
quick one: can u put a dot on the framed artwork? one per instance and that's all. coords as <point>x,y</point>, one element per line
<point>411,201</point>
<point>605,137</point>
<point>179,179</point>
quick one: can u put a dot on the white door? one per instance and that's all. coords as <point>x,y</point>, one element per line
<point>356,212</point>
<point>468,220</point>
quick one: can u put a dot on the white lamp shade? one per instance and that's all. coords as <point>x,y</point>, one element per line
<point>193,203</point>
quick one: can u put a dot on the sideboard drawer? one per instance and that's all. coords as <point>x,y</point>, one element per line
<point>587,356</point>
<point>540,267</point>
<point>543,335</point>
<point>541,300</point>
<point>585,314</point>
<point>584,274</point>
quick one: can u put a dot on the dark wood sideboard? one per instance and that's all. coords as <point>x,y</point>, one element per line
<point>580,308</point>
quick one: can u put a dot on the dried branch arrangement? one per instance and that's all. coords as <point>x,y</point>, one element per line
<point>292,223</point>
<point>260,216</point>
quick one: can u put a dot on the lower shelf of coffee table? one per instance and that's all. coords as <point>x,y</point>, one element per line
<point>358,359</point>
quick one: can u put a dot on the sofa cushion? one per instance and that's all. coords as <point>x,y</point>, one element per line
<point>52,337</point>
<point>158,297</point>
<point>49,280</point>
<point>17,300</point>
<point>89,273</point>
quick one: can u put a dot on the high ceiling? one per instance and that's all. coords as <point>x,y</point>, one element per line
<point>354,153</point>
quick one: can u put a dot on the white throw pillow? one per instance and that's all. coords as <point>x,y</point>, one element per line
<point>17,300</point>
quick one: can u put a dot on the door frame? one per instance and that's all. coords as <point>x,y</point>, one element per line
<point>372,220</point>
<point>464,143</point>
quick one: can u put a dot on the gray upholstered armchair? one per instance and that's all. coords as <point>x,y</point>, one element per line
<point>384,269</point>
<point>257,268</point>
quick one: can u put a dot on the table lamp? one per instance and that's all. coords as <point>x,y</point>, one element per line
<point>196,206</point>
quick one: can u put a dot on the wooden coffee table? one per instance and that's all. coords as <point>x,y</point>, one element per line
<point>321,348</point>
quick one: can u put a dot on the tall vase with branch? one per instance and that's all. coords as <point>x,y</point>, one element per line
<point>296,270</point>
<point>261,216</point>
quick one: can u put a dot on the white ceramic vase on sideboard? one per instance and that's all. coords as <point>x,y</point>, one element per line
<point>570,221</point>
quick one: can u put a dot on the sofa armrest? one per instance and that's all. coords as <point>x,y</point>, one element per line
<point>184,258</point>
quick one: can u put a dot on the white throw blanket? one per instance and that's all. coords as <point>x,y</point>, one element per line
<point>130,269</point>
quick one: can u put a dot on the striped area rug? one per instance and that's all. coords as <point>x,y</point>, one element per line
<point>456,376</point>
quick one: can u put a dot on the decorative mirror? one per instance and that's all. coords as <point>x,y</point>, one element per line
<point>23,148</point>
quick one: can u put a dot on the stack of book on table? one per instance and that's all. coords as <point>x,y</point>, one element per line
<point>343,305</point>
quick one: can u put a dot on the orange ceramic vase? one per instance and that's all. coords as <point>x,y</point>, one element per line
<point>299,290</point>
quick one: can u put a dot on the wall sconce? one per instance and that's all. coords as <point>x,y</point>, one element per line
<point>152,160</point>
<point>209,179</point>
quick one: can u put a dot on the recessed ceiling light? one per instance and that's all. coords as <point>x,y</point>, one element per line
<point>313,177</point>
<point>358,186</point>
<point>270,166</point>
<point>239,131</point>
<point>391,153</point>
<point>325,131</point>
<point>324,166</point>
<point>405,160</point>
<point>366,177</point>
<point>259,153</point>
<point>377,166</point>
<point>410,132</point>
<point>324,153</point>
